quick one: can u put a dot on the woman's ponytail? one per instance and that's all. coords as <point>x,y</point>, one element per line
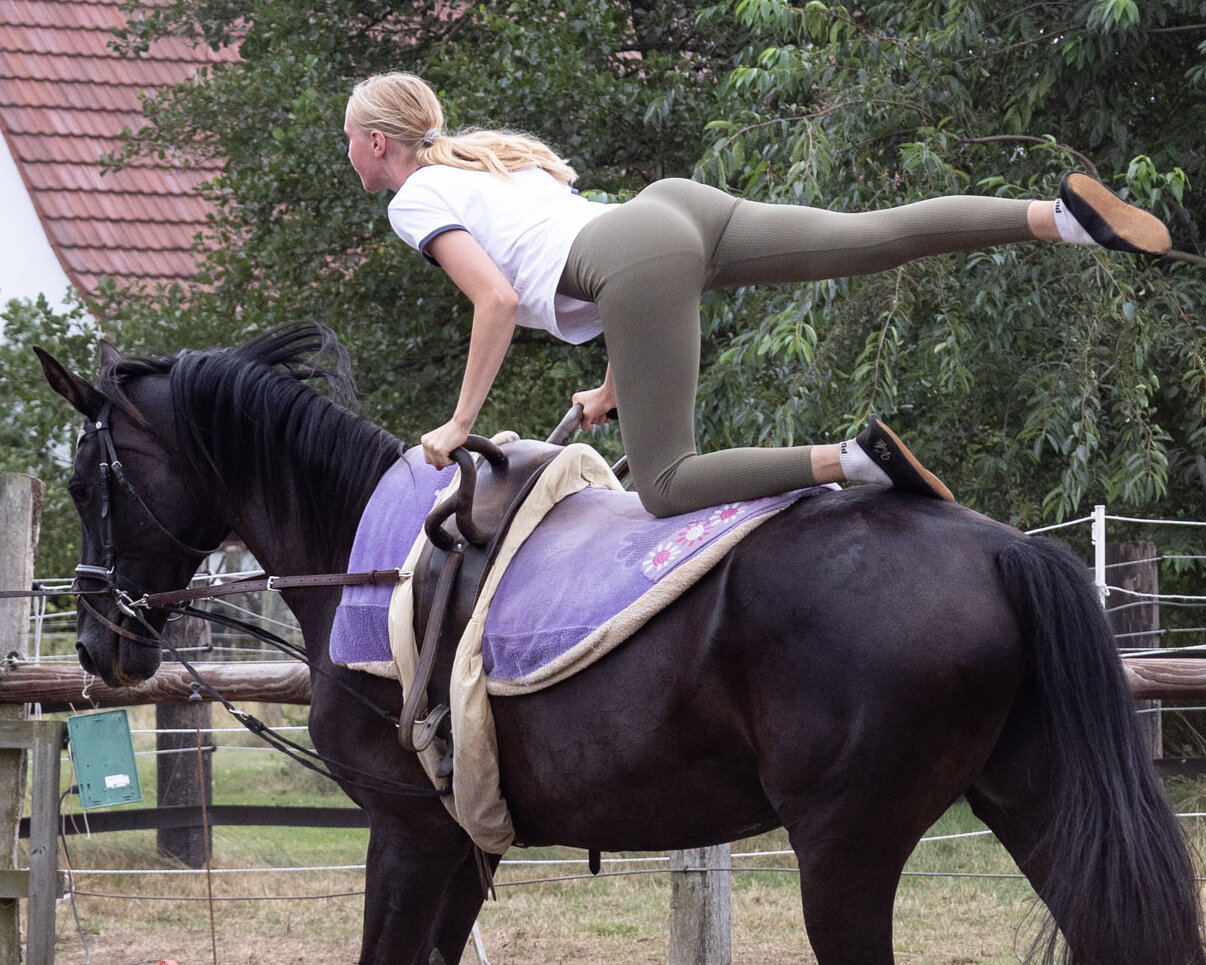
<point>404,108</point>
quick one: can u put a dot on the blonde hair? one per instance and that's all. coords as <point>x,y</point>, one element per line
<point>404,108</point>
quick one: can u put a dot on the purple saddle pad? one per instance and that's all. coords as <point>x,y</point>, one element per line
<point>595,553</point>
<point>388,528</point>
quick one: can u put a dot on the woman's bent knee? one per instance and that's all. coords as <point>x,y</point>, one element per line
<point>659,505</point>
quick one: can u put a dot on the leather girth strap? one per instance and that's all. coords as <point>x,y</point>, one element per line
<point>446,585</point>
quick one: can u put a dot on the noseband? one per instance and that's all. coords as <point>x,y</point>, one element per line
<point>111,469</point>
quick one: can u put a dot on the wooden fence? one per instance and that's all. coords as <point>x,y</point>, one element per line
<point>55,688</point>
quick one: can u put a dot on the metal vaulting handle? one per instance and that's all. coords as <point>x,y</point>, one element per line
<point>462,502</point>
<point>569,425</point>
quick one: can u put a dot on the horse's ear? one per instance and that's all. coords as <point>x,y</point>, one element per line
<point>109,356</point>
<point>82,394</point>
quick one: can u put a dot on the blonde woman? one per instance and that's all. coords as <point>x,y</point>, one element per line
<point>496,211</point>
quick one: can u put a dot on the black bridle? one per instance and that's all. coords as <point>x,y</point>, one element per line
<point>136,604</point>
<point>110,468</point>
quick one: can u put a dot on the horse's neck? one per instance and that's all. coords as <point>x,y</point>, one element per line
<point>277,538</point>
<point>281,534</point>
<point>278,543</point>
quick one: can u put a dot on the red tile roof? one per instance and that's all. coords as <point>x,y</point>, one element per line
<point>64,99</point>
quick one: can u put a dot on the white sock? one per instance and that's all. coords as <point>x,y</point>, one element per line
<point>1069,228</point>
<point>857,466</point>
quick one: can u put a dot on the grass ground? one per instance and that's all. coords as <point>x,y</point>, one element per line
<point>945,914</point>
<point>620,917</point>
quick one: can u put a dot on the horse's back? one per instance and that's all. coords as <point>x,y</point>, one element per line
<point>857,629</point>
<point>887,646</point>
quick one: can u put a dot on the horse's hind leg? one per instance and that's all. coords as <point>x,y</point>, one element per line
<point>851,853</point>
<point>852,846</point>
<point>1013,795</point>
<point>848,903</point>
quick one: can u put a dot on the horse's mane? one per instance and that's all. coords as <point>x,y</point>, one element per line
<point>247,413</point>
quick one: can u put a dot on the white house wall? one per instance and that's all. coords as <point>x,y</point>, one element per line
<point>28,265</point>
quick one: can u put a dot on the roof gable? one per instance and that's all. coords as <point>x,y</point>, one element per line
<point>64,99</point>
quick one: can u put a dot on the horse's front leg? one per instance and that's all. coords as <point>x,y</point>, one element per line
<point>463,899</point>
<point>418,897</point>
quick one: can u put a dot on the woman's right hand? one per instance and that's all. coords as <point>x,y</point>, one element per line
<point>596,404</point>
<point>439,443</point>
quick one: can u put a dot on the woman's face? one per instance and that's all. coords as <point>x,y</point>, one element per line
<point>366,151</point>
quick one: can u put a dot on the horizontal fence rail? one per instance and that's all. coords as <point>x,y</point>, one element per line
<point>274,681</point>
<point>215,815</point>
<point>61,686</point>
<point>1165,678</point>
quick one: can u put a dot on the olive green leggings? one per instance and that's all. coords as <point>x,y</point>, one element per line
<point>645,264</point>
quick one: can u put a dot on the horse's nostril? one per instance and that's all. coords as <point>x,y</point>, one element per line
<point>85,659</point>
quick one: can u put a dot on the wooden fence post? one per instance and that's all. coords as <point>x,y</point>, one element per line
<point>1132,609</point>
<point>178,780</point>
<point>20,517</point>
<point>700,906</point>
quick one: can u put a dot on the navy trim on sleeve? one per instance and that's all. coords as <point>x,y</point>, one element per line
<point>435,234</point>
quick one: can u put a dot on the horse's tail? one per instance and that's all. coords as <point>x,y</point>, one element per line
<point>1119,879</point>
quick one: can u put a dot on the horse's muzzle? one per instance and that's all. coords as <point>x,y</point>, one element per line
<point>119,662</point>
<point>85,659</point>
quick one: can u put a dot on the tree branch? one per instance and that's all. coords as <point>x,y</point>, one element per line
<point>1177,30</point>
<point>1186,257</point>
<point>1029,139</point>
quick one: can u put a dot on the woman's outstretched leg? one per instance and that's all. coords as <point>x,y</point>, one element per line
<point>768,244</point>
<point>650,309</point>
<point>782,243</point>
<point>646,263</point>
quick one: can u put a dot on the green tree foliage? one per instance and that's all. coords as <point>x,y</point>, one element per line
<point>1036,379</point>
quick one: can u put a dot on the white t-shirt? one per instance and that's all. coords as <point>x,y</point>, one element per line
<point>525,223</point>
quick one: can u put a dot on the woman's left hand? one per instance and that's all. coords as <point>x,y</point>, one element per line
<point>438,443</point>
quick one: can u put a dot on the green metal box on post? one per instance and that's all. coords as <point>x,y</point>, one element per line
<point>103,753</point>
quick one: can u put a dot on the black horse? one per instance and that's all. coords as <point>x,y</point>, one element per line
<point>854,666</point>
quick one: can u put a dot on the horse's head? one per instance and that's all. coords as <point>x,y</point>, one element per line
<point>144,526</point>
<point>178,452</point>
